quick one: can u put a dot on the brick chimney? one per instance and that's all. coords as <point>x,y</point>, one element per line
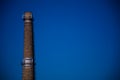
<point>28,60</point>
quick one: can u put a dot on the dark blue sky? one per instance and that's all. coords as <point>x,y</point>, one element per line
<point>74,39</point>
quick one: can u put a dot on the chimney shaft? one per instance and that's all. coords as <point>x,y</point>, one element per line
<point>28,61</point>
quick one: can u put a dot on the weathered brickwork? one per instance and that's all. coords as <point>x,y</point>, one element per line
<point>28,61</point>
<point>28,41</point>
<point>28,73</point>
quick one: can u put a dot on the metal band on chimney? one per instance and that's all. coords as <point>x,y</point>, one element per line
<point>27,20</point>
<point>27,62</point>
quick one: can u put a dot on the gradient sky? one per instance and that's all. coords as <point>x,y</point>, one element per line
<point>74,39</point>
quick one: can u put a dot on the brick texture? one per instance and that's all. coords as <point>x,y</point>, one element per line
<point>28,41</point>
<point>28,71</point>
